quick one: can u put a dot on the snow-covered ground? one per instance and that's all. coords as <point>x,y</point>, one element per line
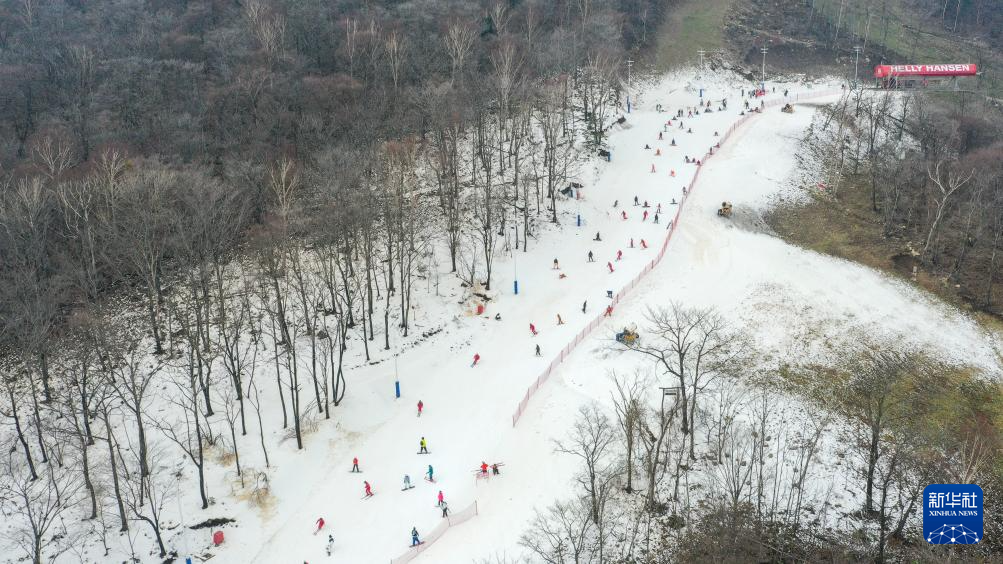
<point>794,302</point>
<point>468,410</point>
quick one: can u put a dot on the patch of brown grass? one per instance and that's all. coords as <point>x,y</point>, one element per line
<point>848,228</point>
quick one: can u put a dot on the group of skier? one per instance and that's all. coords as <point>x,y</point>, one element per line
<point>484,468</point>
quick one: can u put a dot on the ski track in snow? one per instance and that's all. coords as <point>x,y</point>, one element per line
<point>782,292</point>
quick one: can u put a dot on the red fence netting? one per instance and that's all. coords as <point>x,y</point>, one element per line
<point>658,258</point>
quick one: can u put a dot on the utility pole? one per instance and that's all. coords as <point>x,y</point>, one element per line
<point>764,50</point>
<point>856,60</point>
<point>701,53</point>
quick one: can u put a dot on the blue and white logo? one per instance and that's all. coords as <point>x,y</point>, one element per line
<point>952,514</point>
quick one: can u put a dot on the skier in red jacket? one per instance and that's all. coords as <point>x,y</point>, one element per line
<point>320,525</point>
<point>532,329</point>
<point>484,467</point>
<point>355,464</point>
<point>619,255</point>
<point>477,358</point>
<point>609,265</point>
<point>369,489</point>
<point>420,406</point>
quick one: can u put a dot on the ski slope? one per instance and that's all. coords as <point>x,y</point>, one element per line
<point>468,409</point>
<point>794,300</point>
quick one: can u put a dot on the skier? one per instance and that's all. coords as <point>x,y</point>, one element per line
<point>538,350</point>
<point>619,255</point>
<point>609,265</point>
<point>424,446</point>
<point>645,217</point>
<point>715,134</point>
<point>584,304</point>
<point>659,208</point>
<point>673,202</point>
<point>656,218</point>
<point>420,407</point>
<point>609,311</point>
<point>484,467</point>
<point>645,205</point>
<point>631,242</point>
<point>441,498</point>
<point>673,142</point>
<point>624,213</point>
<point>643,244</point>
<point>445,509</point>
<point>494,469</point>
<point>532,329</point>
<point>597,237</point>
<point>430,473</point>
<point>320,525</point>
<point>635,201</point>
<point>355,464</point>
<point>590,257</point>
<point>559,320</point>
<point>689,130</point>
<point>477,357</point>
<point>330,544</point>
<point>556,265</point>
<point>414,536</point>
<point>616,203</point>
<point>407,482</point>
<point>369,489</point>
<point>659,135</point>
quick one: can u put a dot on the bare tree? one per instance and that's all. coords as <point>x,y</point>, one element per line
<point>562,533</point>
<point>459,40</point>
<point>628,405</point>
<point>590,440</point>
<point>695,347</point>
<point>38,505</point>
<point>147,498</point>
<point>947,186</point>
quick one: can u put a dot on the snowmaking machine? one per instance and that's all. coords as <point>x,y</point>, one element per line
<point>725,209</point>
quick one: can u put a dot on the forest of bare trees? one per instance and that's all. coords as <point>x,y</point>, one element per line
<point>930,168</point>
<point>206,203</point>
<point>705,454</point>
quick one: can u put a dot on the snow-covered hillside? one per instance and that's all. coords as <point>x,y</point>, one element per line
<point>794,302</point>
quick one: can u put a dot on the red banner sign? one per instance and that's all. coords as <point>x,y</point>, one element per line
<point>882,71</point>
